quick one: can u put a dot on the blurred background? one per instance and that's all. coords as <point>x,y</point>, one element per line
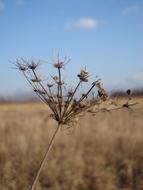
<point>105,36</point>
<point>104,150</point>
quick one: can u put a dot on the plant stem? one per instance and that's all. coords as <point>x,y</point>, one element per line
<point>60,91</point>
<point>71,98</point>
<point>44,158</point>
<point>80,100</point>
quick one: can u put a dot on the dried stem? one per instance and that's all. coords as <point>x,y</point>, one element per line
<point>34,87</point>
<point>44,158</point>
<point>85,95</point>
<point>70,98</point>
<point>60,91</point>
<point>80,100</point>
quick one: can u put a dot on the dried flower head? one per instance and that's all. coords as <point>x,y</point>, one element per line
<point>83,76</point>
<point>20,66</point>
<point>32,65</point>
<point>65,105</point>
<point>59,65</point>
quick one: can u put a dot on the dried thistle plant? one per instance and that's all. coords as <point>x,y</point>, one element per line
<point>67,105</point>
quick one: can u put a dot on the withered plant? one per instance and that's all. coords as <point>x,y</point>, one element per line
<point>67,104</point>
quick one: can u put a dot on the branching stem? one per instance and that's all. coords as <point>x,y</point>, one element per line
<point>71,98</point>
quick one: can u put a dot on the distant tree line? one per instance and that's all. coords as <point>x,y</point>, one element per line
<point>17,98</point>
<point>138,92</point>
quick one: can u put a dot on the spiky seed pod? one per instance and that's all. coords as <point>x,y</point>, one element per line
<point>83,76</point>
<point>59,65</point>
<point>32,65</point>
<point>97,83</point>
<point>20,67</point>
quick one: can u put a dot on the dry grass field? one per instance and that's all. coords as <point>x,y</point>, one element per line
<point>104,152</point>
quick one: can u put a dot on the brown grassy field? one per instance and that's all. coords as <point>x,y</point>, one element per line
<point>104,152</point>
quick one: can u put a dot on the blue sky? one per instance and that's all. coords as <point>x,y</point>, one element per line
<point>104,35</point>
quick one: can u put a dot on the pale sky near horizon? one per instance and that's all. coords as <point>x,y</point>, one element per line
<point>106,36</point>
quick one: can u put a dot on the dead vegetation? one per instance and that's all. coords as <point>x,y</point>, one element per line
<point>102,152</point>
